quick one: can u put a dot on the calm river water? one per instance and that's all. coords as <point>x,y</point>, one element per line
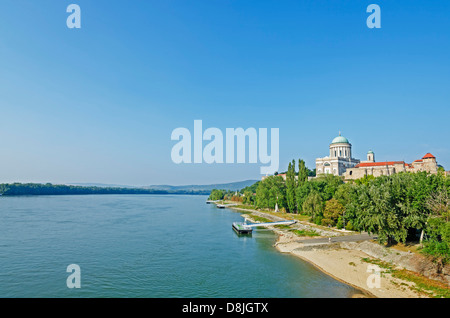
<point>144,246</point>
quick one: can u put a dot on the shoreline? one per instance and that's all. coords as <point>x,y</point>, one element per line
<point>340,262</point>
<point>362,292</point>
<point>345,265</point>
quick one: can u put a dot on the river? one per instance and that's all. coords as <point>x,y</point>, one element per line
<point>161,246</point>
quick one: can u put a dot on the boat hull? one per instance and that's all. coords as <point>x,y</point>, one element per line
<point>240,228</point>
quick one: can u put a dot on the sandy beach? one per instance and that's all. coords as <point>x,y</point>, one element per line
<point>347,266</point>
<point>343,262</point>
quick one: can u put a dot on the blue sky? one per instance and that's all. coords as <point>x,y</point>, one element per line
<point>98,104</point>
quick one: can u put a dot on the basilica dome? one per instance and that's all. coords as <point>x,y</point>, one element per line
<point>340,140</point>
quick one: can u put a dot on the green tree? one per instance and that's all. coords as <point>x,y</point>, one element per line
<point>290,188</point>
<point>331,212</point>
<point>301,193</point>
<point>248,197</point>
<point>216,195</point>
<point>271,191</point>
<point>302,172</point>
<point>251,188</point>
<point>377,212</point>
<point>365,180</point>
<point>311,173</point>
<point>346,194</point>
<point>437,243</point>
<point>313,206</point>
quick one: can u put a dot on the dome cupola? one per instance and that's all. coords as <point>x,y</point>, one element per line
<point>340,140</point>
<point>340,147</point>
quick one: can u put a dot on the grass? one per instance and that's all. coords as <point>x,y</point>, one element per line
<point>261,219</point>
<point>282,226</point>
<point>382,264</point>
<point>412,247</point>
<point>422,285</point>
<point>243,206</point>
<point>305,233</point>
<point>290,216</point>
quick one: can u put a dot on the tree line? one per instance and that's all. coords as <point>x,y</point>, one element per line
<point>14,189</point>
<point>244,196</point>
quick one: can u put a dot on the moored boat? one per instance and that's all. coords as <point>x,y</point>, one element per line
<point>242,228</point>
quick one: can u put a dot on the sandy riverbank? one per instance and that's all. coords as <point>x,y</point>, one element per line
<point>345,265</point>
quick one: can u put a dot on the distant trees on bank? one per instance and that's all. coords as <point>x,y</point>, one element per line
<point>244,196</point>
<point>13,189</point>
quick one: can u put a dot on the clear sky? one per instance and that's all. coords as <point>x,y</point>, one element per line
<point>98,104</point>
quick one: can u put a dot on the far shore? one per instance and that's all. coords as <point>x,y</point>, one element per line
<point>345,262</point>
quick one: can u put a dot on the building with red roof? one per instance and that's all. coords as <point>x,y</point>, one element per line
<point>370,167</point>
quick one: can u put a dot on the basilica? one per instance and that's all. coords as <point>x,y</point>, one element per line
<point>339,162</point>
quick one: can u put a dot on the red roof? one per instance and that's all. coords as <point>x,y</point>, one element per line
<point>391,163</point>
<point>377,164</point>
<point>428,155</point>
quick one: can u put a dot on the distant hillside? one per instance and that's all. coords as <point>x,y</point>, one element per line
<point>232,186</point>
<point>101,185</point>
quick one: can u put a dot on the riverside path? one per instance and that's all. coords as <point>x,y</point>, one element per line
<point>334,239</point>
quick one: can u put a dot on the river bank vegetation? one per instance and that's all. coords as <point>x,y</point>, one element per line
<point>403,207</point>
<point>16,189</point>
